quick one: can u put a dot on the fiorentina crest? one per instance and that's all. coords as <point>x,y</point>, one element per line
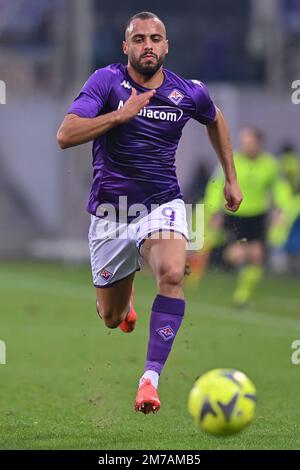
<point>166,333</point>
<point>105,274</point>
<point>176,96</point>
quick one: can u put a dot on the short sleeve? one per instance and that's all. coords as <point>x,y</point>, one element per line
<point>205,110</point>
<point>93,95</point>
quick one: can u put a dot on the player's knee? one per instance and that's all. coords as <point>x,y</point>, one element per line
<point>256,254</point>
<point>170,277</point>
<point>234,255</point>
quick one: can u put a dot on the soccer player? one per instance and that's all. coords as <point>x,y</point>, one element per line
<point>135,115</point>
<point>262,185</point>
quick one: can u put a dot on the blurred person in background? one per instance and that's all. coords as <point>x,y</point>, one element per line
<point>196,188</point>
<point>134,156</point>
<point>289,161</point>
<point>244,232</point>
<point>284,234</point>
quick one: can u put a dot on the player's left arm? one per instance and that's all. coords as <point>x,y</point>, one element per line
<point>219,137</point>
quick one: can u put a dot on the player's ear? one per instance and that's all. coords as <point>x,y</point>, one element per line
<point>125,47</point>
<point>167,46</point>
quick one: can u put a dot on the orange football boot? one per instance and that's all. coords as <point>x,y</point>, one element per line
<point>128,324</point>
<point>147,398</point>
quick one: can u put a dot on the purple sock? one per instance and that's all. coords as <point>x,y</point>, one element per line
<point>166,317</point>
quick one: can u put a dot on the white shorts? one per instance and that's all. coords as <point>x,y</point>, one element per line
<point>115,246</point>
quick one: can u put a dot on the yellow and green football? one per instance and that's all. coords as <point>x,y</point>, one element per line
<point>222,401</point>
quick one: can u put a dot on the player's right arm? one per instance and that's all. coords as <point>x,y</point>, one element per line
<point>76,130</point>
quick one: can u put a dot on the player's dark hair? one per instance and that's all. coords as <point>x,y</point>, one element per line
<point>143,15</point>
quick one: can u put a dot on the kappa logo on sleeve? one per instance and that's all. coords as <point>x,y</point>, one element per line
<point>197,82</point>
<point>176,96</point>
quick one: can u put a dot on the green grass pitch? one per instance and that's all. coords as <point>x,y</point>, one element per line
<point>70,383</point>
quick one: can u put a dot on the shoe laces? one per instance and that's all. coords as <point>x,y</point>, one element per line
<point>146,382</point>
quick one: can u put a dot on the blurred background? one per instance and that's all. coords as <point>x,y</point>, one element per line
<point>246,51</point>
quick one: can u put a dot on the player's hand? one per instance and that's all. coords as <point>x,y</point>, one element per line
<point>134,104</point>
<point>233,196</point>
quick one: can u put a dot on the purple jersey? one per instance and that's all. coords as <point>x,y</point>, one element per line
<point>137,159</point>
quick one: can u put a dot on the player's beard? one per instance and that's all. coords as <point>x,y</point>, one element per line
<point>147,69</point>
